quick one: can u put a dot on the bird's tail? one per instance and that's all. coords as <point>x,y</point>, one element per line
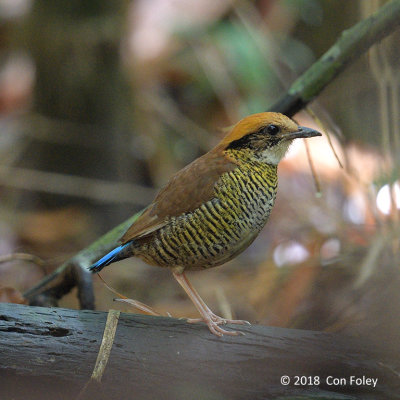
<point>119,253</point>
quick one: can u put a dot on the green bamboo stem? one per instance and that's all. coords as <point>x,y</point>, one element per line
<point>351,44</point>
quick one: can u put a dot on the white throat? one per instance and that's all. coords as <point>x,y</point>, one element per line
<point>273,157</point>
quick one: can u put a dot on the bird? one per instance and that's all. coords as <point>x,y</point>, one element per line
<point>214,208</point>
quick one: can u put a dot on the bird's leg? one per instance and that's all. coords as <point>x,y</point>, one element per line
<point>139,306</point>
<point>215,317</point>
<point>212,320</point>
<point>134,303</point>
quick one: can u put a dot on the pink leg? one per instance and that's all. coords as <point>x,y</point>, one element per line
<point>134,303</point>
<point>139,306</point>
<point>212,320</point>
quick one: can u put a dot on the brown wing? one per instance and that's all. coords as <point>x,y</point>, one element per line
<point>185,191</point>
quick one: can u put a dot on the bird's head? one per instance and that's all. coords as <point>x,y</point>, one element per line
<point>265,136</point>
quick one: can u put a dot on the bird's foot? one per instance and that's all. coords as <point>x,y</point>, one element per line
<point>214,321</point>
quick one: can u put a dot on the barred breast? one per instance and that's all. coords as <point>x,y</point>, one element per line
<point>219,229</point>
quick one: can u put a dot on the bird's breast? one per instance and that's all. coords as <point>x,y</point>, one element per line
<point>220,228</point>
<point>250,192</point>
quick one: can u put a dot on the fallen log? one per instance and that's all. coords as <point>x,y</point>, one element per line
<point>51,352</point>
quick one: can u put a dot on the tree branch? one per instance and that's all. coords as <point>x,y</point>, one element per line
<point>37,296</point>
<point>351,45</point>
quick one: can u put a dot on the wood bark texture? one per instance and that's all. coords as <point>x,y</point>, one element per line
<point>51,352</point>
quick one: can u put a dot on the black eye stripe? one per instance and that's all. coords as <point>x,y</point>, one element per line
<point>241,143</point>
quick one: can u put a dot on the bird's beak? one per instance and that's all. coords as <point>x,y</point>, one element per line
<point>302,132</point>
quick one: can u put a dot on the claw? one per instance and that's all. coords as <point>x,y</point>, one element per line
<point>214,321</point>
<point>217,330</point>
<point>219,320</point>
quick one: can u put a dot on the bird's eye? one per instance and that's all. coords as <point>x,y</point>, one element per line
<point>273,129</point>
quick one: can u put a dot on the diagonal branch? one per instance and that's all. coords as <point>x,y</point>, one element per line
<point>351,45</point>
